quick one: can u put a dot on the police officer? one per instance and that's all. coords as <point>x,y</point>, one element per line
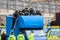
<point>21,36</point>
<point>12,37</point>
<point>31,36</point>
<point>3,36</point>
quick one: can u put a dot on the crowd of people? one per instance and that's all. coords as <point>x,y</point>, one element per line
<point>27,11</point>
<point>20,36</point>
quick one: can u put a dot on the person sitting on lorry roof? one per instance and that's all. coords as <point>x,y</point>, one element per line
<point>25,11</point>
<point>31,11</point>
<point>15,15</point>
<point>38,13</point>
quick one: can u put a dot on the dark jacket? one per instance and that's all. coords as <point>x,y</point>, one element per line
<point>31,11</point>
<point>3,37</point>
<point>25,11</point>
<point>38,13</point>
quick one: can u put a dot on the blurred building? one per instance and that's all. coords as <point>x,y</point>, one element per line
<point>45,6</point>
<point>48,8</point>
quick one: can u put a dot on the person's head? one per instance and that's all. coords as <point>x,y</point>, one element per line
<point>4,32</point>
<point>26,8</point>
<point>31,32</point>
<point>37,11</point>
<point>12,33</point>
<point>21,32</point>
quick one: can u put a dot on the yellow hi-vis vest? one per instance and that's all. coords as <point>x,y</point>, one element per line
<point>31,37</point>
<point>0,37</point>
<point>20,37</point>
<point>11,37</point>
